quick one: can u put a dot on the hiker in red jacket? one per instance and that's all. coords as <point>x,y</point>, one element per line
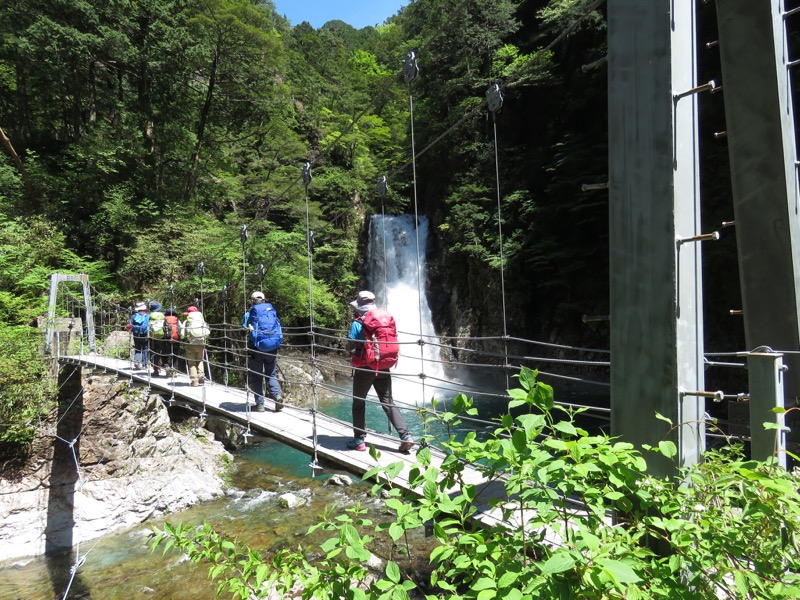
<point>372,344</point>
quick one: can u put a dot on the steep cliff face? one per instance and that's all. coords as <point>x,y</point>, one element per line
<point>108,458</point>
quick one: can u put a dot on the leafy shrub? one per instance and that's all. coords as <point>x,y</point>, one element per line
<point>596,525</point>
<point>25,391</point>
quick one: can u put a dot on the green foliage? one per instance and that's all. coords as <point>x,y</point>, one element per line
<point>30,250</point>
<point>25,390</point>
<point>585,518</point>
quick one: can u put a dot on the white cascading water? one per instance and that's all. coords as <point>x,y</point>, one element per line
<point>397,275</point>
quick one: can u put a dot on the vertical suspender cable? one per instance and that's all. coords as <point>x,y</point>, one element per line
<point>225,333</point>
<point>410,73</point>
<point>494,100</point>
<point>201,270</point>
<point>306,172</point>
<point>382,189</point>
<point>243,239</point>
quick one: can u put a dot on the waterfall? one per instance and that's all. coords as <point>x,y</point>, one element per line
<point>397,276</point>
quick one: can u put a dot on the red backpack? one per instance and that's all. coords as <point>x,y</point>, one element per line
<point>171,328</point>
<point>381,349</point>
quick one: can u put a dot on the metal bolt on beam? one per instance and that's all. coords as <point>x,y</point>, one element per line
<point>706,87</point>
<point>789,13</point>
<point>736,312</point>
<point>710,45</point>
<point>704,237</point>
<point>593,65</point>
<point>594,318</point>
<point>728,224</point>
<point>594,186</point>
<point>716,396</point>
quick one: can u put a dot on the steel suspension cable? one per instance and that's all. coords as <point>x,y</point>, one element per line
<point>315,466</point>
<point>410,72</point>
<point>494,100</point>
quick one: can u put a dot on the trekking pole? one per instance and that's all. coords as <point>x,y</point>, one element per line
<point>208,364</point>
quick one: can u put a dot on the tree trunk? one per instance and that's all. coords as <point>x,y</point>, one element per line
<point>201,126</point>
<point>17,161</point>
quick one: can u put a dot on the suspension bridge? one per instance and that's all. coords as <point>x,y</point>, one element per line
<point>656,300</point>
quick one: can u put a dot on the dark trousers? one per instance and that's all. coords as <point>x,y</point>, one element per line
<point>158,353</point>
<point>260,365</point>
<point>140,344</point>
<point>363,380</point>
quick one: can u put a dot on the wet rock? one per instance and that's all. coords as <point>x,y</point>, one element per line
<point>290,500</point>
<point>340,480</point>
<point>109,458</point>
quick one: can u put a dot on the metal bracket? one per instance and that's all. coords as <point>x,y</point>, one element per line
<point>410,67</point>
<point>494,97</point>
<point>381,186</point>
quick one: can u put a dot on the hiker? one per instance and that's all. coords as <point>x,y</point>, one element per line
<point>171,340</point>
<point>194,332</point>
<point>372,344</point>
<point>264,338</point>
<point>138,325</point>
<point>156,328</point>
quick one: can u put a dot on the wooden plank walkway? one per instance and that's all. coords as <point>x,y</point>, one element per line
<point>295,427</point>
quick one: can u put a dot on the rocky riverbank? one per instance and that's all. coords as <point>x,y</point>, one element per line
<point>109,457</point>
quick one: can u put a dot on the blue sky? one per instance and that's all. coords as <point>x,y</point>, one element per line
<point>358,13</point>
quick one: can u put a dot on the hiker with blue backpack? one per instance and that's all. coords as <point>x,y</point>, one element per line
<point>264,337</point>
<point>139,325</point>
<point>373,347</point>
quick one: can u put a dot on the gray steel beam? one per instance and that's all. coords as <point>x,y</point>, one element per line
<point>656,292</point>
<point>766,376</point>
<point>761,145</point>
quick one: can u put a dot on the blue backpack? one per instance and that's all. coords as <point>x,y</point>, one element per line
<point>267,333</point>
<point>140,322</point>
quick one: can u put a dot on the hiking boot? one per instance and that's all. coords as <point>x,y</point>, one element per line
<point>201,380</point>
<point>137,365</point>
<point>195,383</point>
<point>259,408</point>
<point>406,443</point>
<point>156,372</point>
<point>357,444</point>
<point>278,405</point>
